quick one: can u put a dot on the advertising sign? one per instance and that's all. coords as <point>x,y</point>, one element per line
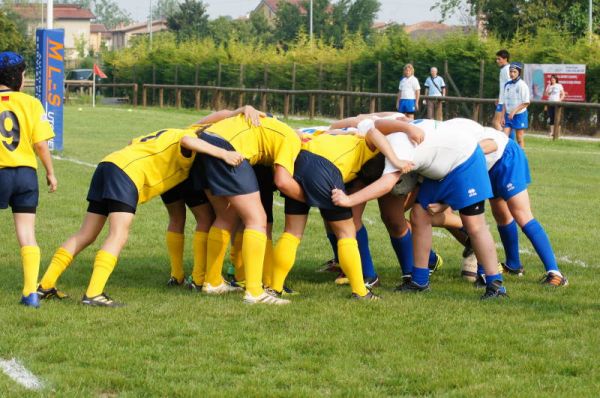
<point>571,76</point>
<point>49,79</point>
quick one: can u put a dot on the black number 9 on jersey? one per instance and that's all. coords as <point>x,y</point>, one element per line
<point>10,130</point>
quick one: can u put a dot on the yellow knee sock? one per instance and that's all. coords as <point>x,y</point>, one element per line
<point>350,262</point>
<point>30,255</point>
<point>268,264</point>
<point>199,249</point>
<point>103,267</point>
<point>175,242</point>
<point>60,261</point>
<point>236,257</point>
<point>253,255</point>
<point>216,245</point>
<point>284,257</point>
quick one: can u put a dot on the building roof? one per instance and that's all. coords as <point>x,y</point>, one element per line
<point>98,28</point>
<point>432,29</point>
<point>156,24</point>
<point>61,11</point>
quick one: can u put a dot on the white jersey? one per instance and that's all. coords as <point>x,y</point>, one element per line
<point>516,93</point>
<point>481,133</point>
<point>554,92</point>
<point>408,86</point>
<point>444,148</point>
<point>504,78</point>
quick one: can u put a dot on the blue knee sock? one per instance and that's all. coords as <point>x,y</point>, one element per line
<point>404,252</point>
<point>333,242</point>
<point>539,239</point>
<point>509,234</point>
<point>491,278</point>
<point>421,276</point>
<point>366,260</point>
<point>432,257</point>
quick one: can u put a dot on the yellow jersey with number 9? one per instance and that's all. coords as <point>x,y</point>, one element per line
<point>23,123</point>
<point>155,162</point>
<point>273,142</point>
<point>347,152</point>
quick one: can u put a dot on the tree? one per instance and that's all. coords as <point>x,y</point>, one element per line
<point>164,9</point>
<point>361,15</point>
<point>288,22</point>
<point>110,14</point>
<point>10,37</point>
<point>190,21</point>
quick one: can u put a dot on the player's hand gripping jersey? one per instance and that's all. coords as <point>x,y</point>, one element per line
<point>155,162</point>
<point>23,123</point>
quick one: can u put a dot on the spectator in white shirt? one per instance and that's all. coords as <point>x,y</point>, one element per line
<point>435,87</point>
<point>408,93</point>
<point>555,92</point>
<point>502,60</point>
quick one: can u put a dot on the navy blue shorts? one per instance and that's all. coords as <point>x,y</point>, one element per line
<point>510,175</point>
<point>110,184</point>
<point>190,191</point>
<point>222,179</point>
<point>318,177</point>
<point>19,189</point>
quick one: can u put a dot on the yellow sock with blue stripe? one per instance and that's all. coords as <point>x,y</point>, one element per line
<point>284,257</point>
<point>253,255</point>
<point>268,264</point>
<point>216,246</point>
<point>236,257</point>
<point>60,262</point>
<point>175,243</point>
<point>104,264</point>
<point>351,265</point>
<point>199,249</point>
<point>30,256</point>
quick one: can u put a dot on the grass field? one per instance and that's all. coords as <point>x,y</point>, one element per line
<point>170,342</point>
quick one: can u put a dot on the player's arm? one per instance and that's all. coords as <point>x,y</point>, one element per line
<point>41,148</point>
<point>377,189</point>
<point>376,140</point>
<point>347,122</point>
<point>414,133</point>
<point>488,145</point>
<point>287,185</point>
<point>417,96</point>
<point>200,146</point>
<point>250,113</point>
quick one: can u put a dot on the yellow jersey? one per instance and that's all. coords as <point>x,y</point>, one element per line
<point>23,123</point>
<point>347,152</point>
<point>273,142</point>
<point>155,162</point>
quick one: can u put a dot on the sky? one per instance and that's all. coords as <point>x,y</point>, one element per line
<point>400,11</point>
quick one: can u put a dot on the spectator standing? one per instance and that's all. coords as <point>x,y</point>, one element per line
<point>408,93</point>
<point>502,60</point>
<point>515,102</point>
<point>556,93</point>
<point>435,87</point>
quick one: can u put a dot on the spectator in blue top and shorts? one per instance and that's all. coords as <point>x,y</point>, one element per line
<point>408,93</point>
<point>435,87</point>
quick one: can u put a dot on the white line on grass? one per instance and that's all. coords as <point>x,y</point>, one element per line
<point>13,369</point>
<point>57,157</point>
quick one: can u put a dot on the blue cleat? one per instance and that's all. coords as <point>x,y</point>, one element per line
<point>33,300</point>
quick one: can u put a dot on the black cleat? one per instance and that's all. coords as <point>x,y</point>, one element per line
<point>370,296</point>
<point>480,282</point>
<point>372,282</point>
<point>52,293</point>
<point>190,284</point>
<point>101,300</point>
<point>494,290</point>
<point>172,282</point>
<point>512,271</point>
<point>411,287</point>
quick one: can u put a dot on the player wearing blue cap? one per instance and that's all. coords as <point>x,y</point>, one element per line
<point>515,98</point>
<point>24,131</point>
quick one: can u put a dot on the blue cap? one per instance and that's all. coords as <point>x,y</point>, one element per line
<point>9,59</point>
<point>516,65</point>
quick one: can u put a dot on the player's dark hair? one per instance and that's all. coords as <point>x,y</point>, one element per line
<point>503,54</point>
<point>12,76</point>
<point>554,77</point>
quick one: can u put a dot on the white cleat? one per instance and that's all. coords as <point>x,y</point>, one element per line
<point>223,288</point>
<point>264,298</point>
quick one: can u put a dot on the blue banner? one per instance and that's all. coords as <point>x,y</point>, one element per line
<point>49,78</point>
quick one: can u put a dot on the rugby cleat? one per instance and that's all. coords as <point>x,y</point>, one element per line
<point>371,282</point>
<point>33,300</point>
<point>411,287</point>
<point>512,271</point>
<point>480,282</point>
<point>553,279</point>
<point>264,298</point>
<point>494,290</point>
<point>439,262</point>
<point>288,291</point>
<point>235,283</point>
<point>223,288</point>
<point>406,278</point>
<point>101,300</point>
<point>330,266</point>
<point>370,296</point>
<point>190,284</point>
<point>172,282</point>
<point>342,279</point>
<point>52,293</point>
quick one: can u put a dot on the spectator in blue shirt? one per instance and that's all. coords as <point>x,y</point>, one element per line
<point>435,87</point>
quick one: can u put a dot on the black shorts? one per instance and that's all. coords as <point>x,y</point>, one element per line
<point>223,179</point>
<point>19,189</point>
<point>372,169</point>
<point>110,184</point>
<point>264,176</point>
<point>191,190</point>
<point>318,177</point>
